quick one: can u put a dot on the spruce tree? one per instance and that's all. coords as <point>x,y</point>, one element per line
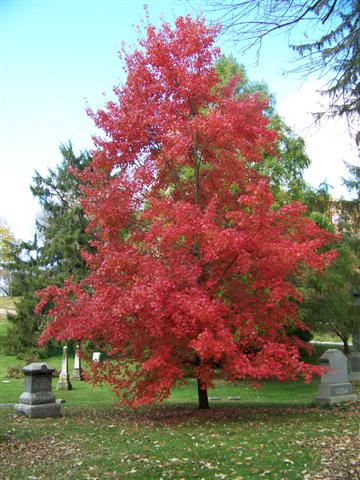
<point>55,252</point>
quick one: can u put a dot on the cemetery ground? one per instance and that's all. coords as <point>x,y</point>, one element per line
<point>275,432</point>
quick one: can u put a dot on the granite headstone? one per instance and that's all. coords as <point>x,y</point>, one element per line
<point>335,386</point>
<point>37,400</point>
<point>354,375</point>
<point>356,341</point>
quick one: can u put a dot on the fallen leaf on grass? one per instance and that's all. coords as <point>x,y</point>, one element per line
<point>340,458</point>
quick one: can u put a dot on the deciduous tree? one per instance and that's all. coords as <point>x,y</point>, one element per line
<point>285,169</point>
<point>193,266</point>
<point>329,297</point>
<point>6,239</point>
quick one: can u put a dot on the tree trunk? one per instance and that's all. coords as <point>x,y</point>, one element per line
<point>203,397</point>
<point>346,346</point>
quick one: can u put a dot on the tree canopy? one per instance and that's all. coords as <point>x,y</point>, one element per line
<point>329,298</point>
<point>284,169</point>
<point>194,267</point>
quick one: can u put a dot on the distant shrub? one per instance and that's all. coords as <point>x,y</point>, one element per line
<point>30,356</point>
<point>15,372</point>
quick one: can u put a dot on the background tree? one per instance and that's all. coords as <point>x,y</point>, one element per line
<point>349,211</point>
<point>62,226</point>
<point>194,266</point>
<point>331,49</point>
<point>284,169</point>
<point>349,225</point>
<point>329,298</point>
<point>55,252</point>
<point>24,326</point>
<point>6,240</point>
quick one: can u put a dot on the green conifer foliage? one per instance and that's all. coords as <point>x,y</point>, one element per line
<point>55,252</point>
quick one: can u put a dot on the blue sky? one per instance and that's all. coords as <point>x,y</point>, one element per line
<point>57,56</point>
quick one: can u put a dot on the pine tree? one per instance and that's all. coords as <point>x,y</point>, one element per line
<point>55,252</point>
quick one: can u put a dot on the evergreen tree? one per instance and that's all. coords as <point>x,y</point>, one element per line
<point>62,226</point>
<point>27,277</point>
<point>55,252</point>
<point>349,223</point>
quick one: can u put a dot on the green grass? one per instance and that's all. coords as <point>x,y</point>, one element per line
<point>327,337</point>
<point>274,433</point>
<point>98,439</point>
<point>271,393</point>
<point>3,327</point>
<point>6,303</point>
<point>269,433</point>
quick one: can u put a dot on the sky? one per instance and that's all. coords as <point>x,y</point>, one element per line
<point>59,57</point>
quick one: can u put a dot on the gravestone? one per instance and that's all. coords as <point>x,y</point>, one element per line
<point>356,341</point>
<point>64,379</point>
<point>37,400</point>
<point>355,358</point>
<point>335,386</point>
<point>355,367</point>
<point>96,358</point>
<point>77,370</point>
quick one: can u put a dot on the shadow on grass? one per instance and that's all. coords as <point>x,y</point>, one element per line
<point>184,413</point>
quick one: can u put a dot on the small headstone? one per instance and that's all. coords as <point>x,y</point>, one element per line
<point>37,400</point>
<point>234,398</point>
<point>214,399</point>
<point>64,379</point>
<point>77,371</point>
<point>354,367</point>
<point>335,386</point>
<point>96,358</point>
<point>356,341</point>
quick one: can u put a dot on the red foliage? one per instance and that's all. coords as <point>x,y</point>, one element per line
<point>193,267</point>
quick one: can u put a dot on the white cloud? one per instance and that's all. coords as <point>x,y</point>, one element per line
<point>328,144</point>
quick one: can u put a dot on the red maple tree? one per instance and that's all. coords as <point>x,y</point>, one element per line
<point>194,268</point>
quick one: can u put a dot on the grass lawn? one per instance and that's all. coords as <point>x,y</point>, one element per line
<point>275,432</point>
<point>7,303</point>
